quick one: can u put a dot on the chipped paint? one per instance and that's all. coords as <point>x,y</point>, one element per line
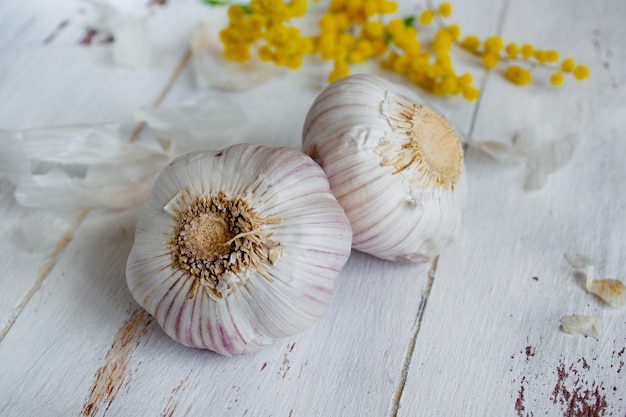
<point>578,397</point>
<point>284,368</point>
<point>571,389</point>
<point>173,401</point>
<point>110,377</point>
<point>519,402</point>
<point>56,31</point>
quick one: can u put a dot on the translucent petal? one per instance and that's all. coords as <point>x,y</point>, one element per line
<point>586,325</point>
<point>540,148</point>
<point>132,44</point>
<point>501,152</point>
<point>578,261</point>
<point>68,168</point>
<point>610,290</point>
<point>546,158</point>
<point>203,122</point>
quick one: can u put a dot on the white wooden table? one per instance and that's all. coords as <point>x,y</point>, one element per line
<point>476,334</point>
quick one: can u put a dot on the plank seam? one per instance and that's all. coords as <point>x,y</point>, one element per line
<point>408,355</point>
<point>487,72</point>
<point>65,239</point>
<point>58,249</point>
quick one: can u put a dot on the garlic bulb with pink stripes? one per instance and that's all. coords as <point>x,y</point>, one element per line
<point>393,163</point>
<point>239,247</point>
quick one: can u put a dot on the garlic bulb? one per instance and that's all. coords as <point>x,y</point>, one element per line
<point>239,247</point>
<point>394,164</point>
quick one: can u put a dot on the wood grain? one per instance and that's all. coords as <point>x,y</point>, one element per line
<point>110,377</point>
<point>490,342</point>
<point>478,337</point>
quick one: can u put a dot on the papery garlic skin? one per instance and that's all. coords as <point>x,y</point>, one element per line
<point>394,164</point>
<point>278,285</point>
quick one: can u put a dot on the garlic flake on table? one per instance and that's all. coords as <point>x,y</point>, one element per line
<point>541,148</point>
<point>238,248</point>
<point>585,325</point>
<point>612,291</point>
<point>201,122</point>
<point>66,168</point>
<point>394,164</point>
<point>132,46</point>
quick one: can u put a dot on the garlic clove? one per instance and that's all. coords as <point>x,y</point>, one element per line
<point>238,248</point>
<point>394,164</point>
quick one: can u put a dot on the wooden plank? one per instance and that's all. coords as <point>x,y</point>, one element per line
<point>353,347</point>
<point>36,78</point>
<point>490,343</point>
<point>371,310</point>
<point>83,347</point>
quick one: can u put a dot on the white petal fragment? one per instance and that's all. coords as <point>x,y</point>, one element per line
<point>132,46</point>
<point>501,152</point>
<point>39,231</point>
<point>539,148</point>
<point>214,71</point>
<point>610,290</point>
<point>68,168</point>
<point>585,325</point>
<point>203,122</point>
<point>578,261</point>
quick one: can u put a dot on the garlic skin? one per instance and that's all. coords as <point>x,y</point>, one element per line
<point>394,164</point>
<point>239,247</point>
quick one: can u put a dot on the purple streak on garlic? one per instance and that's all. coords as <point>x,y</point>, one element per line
<point>238,248</point>
<point>394,164</point>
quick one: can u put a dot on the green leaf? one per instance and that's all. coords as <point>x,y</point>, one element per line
<point>245,7</point>
<point>408,22</point>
